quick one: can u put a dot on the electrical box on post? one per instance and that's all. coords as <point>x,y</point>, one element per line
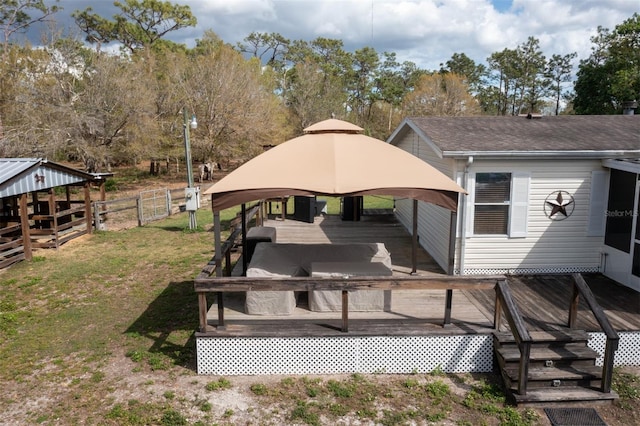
<point>192,197</point>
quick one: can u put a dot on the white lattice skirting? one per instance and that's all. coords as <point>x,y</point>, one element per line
<point>628,352</point>
<point>372,354</point>
<point>336,355</point>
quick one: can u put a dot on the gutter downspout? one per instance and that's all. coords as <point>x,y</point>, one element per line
<point>463,216</point>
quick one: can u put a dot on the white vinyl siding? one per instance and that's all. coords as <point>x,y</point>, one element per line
<point>548,246</point>
<point>433,221</point>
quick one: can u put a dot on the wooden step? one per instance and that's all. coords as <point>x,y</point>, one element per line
<point>546,337</point>
<point>561,396</point>
<point>557,356</point>
<point>588,376</point>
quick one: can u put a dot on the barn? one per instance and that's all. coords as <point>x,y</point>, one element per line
<point>42,205</point>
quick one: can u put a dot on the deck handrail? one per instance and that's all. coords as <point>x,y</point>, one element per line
<point>210,268</point>
<point>580,287</point>
<point>214,284</point>
<point>505,303</point>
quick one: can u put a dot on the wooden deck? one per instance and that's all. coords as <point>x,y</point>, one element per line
<point>543,300</point>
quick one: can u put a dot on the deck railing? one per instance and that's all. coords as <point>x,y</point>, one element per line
<point>205,284</point>
<point>208,282</point>
<point>505,304</point>
<point>580,288</point>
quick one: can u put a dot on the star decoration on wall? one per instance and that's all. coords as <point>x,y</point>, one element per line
<point>559,205</point>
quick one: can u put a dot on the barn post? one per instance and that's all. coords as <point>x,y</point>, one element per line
<point>87,206</point>
<point>54,214</point>
<point>26,230</point>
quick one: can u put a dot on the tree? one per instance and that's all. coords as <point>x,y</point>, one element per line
<point>440,95</point>
<point>268,48</point>
<point>611,75</point>
<point>559,70</point>
<point>313,96</point>
<point>530,70</point>
<point>519,77</point>
<point>141,24</point>
<point>112,115</point>
<point>502,63</point>
<point>392,82</point>
<point>14,17</point>
<point>466,67</point>
<point>361,83</point>
<point>236,108</point>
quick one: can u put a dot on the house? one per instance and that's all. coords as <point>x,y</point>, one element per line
<point>545,194</point>
<point>42,205</point>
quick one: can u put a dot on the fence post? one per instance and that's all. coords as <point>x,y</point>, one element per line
<point>96,216</point>
<point>168,192</point>
<point>139,208</point>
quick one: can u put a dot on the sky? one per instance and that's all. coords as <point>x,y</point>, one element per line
<point>426,32</point>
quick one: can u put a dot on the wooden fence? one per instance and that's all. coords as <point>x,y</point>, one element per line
<point>146,207</point>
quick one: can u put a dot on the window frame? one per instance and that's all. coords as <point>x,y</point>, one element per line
<point>519,204</point>
<point>506,203</point>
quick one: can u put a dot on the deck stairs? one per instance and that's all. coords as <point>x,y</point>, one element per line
<point>553,366</point>
<point>562,368</point>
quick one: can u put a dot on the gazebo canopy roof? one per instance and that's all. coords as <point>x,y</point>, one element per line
<point>334,158</point>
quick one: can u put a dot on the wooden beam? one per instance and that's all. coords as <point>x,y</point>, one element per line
<point>444,282</point>
<point>87,207</point>
<point>218,242</point>
<point>202,311</point>
<point>345,311</point>
<point>453,223</point>
<point>26,228</point>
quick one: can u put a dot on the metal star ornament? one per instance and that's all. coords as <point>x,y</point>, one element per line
<point>559,205</point>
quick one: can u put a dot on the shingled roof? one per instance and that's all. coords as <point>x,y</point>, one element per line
<point>567,135</point>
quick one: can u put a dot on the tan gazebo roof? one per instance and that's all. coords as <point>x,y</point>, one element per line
<point>334,158</point>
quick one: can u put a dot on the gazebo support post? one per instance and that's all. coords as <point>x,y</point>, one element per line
<point>243,216</point>
<point>218,257</point>
<point>414,245</point>
<point>452,251</point>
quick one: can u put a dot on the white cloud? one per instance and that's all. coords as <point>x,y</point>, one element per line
<point>426,32</point>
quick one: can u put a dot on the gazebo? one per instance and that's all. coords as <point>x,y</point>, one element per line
<point>333,158</point>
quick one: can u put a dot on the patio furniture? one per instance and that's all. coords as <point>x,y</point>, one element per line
<point>258,234</point>
<point>359,300</point>
<point>295,260</point>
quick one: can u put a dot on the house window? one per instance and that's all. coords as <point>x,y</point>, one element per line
<point>492,202</point>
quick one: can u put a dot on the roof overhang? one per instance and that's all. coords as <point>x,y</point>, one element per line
<point>529,155</point>
<point>631,165</point>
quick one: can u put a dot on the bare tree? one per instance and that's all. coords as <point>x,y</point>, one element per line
<point>441,95</point>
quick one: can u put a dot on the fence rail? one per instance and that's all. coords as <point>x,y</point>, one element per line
<point>129,212</point>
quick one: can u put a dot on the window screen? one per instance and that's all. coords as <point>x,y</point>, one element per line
<point>492,200</point>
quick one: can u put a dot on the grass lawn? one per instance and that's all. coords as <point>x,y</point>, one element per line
<point>101,331</point>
